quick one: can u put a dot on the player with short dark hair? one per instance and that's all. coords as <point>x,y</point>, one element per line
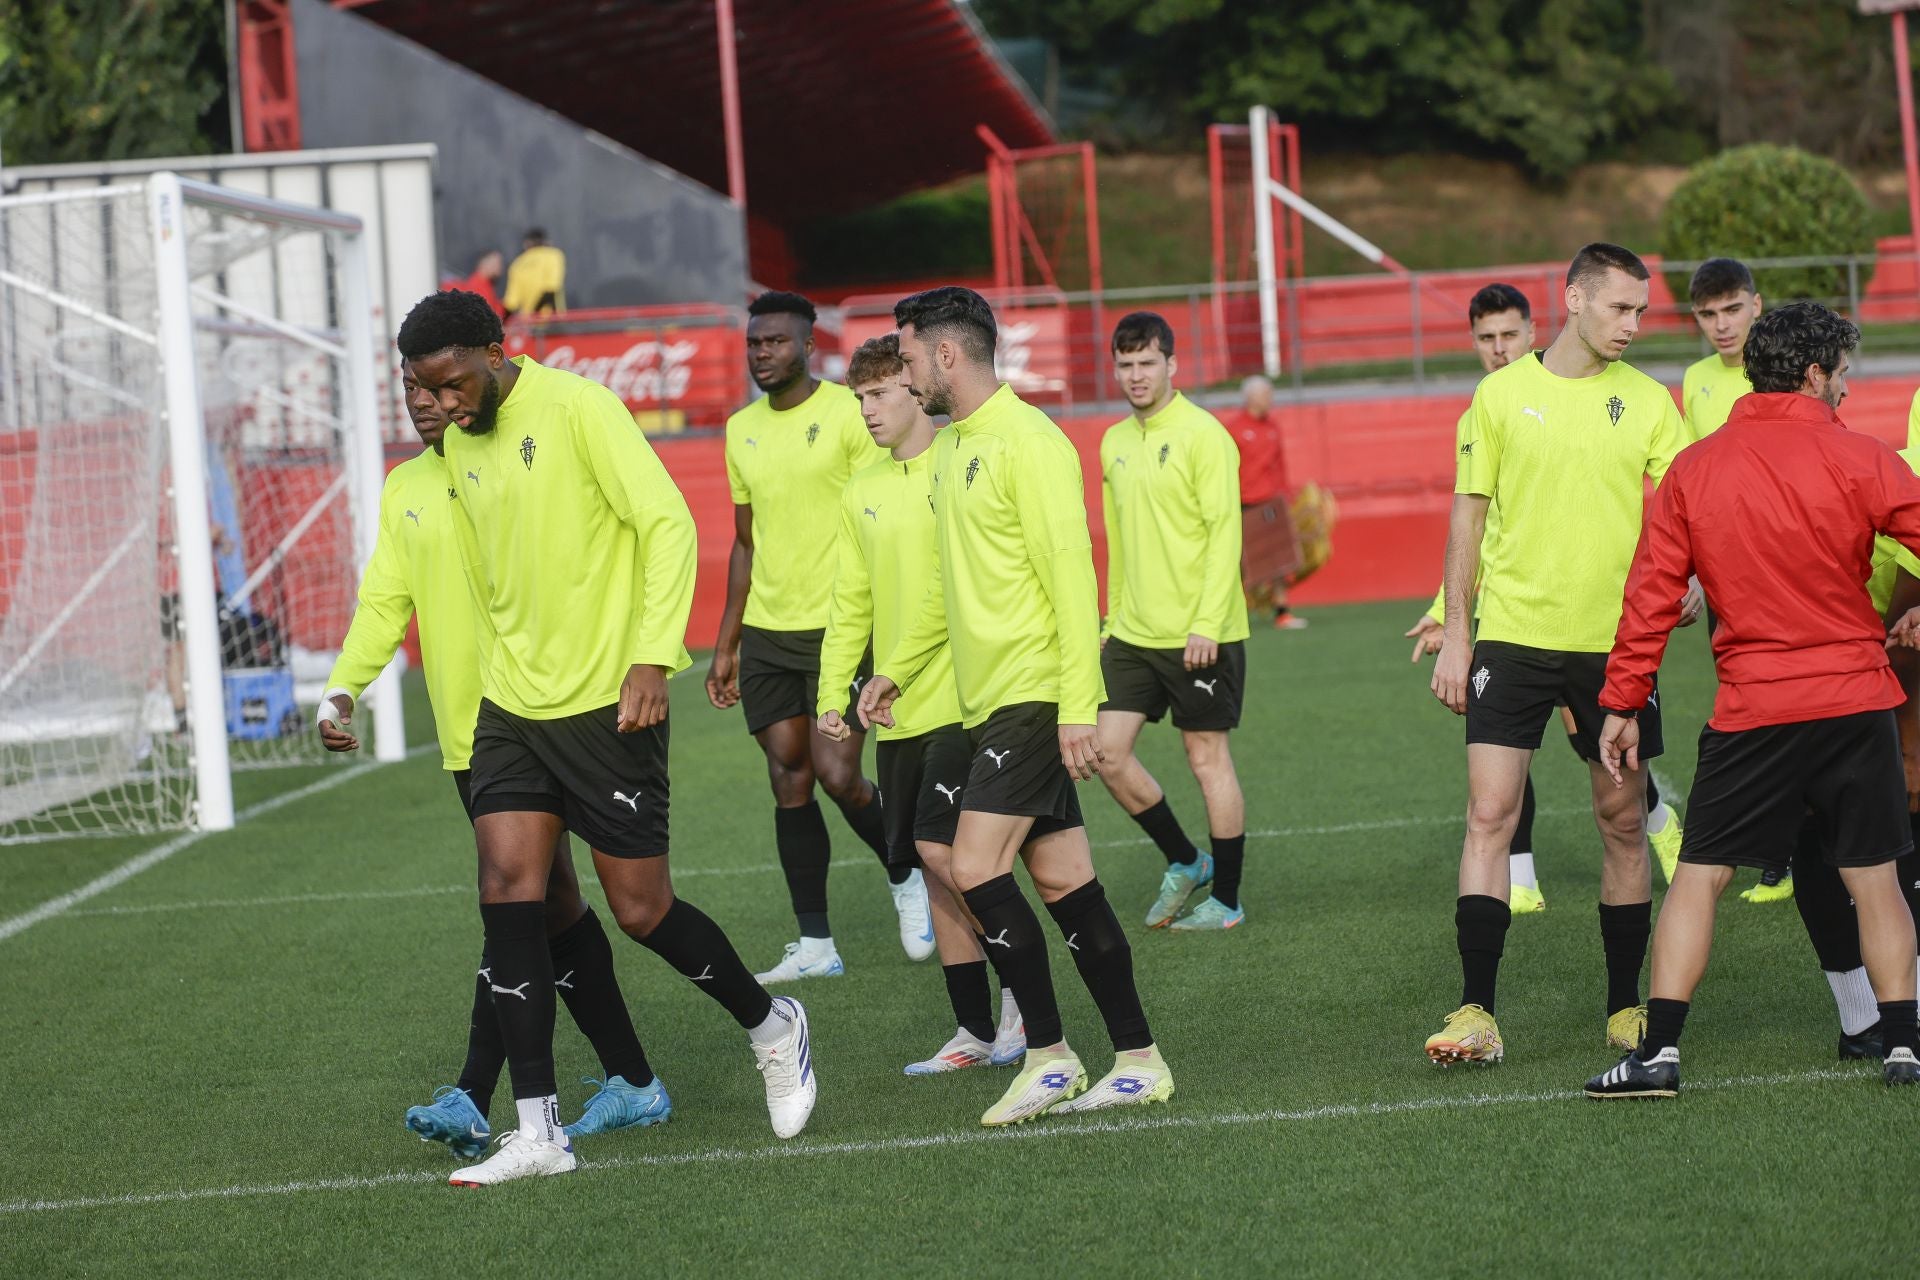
<point>1776,512</point>
<point>1015,601</point>
<point>884,559</point>
<point>1501,322</point>
<point>1562,442</point>
<point>416,571</point>
<point>1176,623</point>
<point>580,554</point>
<point>789,456</point>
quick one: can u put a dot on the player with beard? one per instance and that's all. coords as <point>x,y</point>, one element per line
<point>580,554</point>
<point>1176,630</point>
<point>789,456</point>
<point>885,559</point>
<point>415,572</point>
<point>1563,442</point>
<point>1015,601</point>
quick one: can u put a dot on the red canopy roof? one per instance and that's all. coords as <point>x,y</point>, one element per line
<point>844,103</point>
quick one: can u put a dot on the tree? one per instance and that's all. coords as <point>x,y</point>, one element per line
<point>1549,82</point>
<point>88,80</point>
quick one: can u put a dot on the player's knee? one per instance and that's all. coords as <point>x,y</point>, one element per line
<point>843,784</point>
<point>792,782</point>
<point>640,915</point>
<point>1492,815</point>
<point>505,882</point>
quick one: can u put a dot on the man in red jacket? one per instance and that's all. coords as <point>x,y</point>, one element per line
<point>1776,512</point>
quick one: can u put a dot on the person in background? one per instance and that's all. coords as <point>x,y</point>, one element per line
<point>485,280</point>
<point>537,279</point>
<point>1269,550</point>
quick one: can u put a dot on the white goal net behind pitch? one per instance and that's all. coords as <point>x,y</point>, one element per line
<point>189,471</point>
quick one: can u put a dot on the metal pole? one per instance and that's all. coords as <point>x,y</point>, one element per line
<point>1265,273</point>
<point>1419,347</point>
<point>730,105</point>
<point>1903,78</point>
<point>366,469</point>
<point>193,535</point>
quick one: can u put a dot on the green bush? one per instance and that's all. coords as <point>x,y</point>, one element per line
<point>918,236</point>
<point>1764,201</point>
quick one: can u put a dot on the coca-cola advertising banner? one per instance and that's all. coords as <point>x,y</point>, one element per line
<point>673,378</point>
<point>1032,356</point>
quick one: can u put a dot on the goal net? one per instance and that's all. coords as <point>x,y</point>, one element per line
<point>189,472</point>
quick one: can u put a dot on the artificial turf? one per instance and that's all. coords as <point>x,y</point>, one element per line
<point>203,1069</point>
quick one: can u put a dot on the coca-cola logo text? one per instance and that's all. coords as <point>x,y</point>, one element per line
<point>646,372</point>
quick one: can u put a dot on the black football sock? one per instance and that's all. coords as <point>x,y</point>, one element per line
<point>1163,829</point>
<point>1665,1019</point>
<point>1774,875</point>
<point>1825,907</point>
<point>1522,841</point>
<point>1105,959</point>
<point>1624,931</point>
<point>486,1051</point>
<point>869,824</point>
<point>1897,1026</point>
<point>1229,856</point>
<point>972,998</point>
<point>1011,933</point>
<point>800,836</point>
<point>693,944</point>
<point>1480,925</point>
<point>519,976</point>
<point>1653,792</point>
<point>583,975</point>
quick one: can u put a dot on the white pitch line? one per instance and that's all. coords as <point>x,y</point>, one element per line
<point>957,1138</point>
<point>186,840</point>
<point>287,900</point>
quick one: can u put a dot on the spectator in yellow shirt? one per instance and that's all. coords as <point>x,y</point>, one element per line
<point>537,279</point>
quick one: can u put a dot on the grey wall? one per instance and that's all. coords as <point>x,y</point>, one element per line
<point>633,231</point>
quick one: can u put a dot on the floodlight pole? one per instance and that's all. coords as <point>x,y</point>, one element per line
<point>1903,77</point>
<point>730,105</point>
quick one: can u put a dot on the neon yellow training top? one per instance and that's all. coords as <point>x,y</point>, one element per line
<point>1172,506</point>
<point>576,543</point>
<point>791,465</point>
<point>1013,591</point>
<point>1913,422</point>
<point>415,569</point>
<point>1566,460</point>
<point>885,558</point>
<point>1890,556</point>
<point>1707,393</point>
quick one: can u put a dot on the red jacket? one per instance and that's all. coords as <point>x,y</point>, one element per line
<point>1776,512</point>
<point>1263,459</point>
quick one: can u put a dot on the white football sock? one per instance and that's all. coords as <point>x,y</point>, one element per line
<point>813,950</point>
<point>775,1028</point>
<point>1520,870</point>
<point>1853,997</point>
<point>540,1119</point>
<point>1657,818</point>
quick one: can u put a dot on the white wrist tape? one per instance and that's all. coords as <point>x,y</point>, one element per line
<point>327,712</point>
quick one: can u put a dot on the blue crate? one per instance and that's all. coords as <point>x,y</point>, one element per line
<point>260,703</point>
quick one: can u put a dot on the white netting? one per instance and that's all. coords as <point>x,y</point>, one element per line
<point>266,310</point>
<point>89,738</point>
<point>95,721</point>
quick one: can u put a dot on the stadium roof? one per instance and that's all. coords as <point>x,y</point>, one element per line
<point>843,105</point>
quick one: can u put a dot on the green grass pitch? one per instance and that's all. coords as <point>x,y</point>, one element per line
<point>203,1069</point>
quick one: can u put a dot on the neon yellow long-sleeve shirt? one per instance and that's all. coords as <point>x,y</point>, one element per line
<point>579,547</point>
<point>416,570</point>
<point>885,558</point>
<point>1014,593</point>
<point>1172,506</point>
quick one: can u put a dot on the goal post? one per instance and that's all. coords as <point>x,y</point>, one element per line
<point>190,467</point>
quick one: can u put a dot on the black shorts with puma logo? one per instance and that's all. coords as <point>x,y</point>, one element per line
<point>1150,681</point>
